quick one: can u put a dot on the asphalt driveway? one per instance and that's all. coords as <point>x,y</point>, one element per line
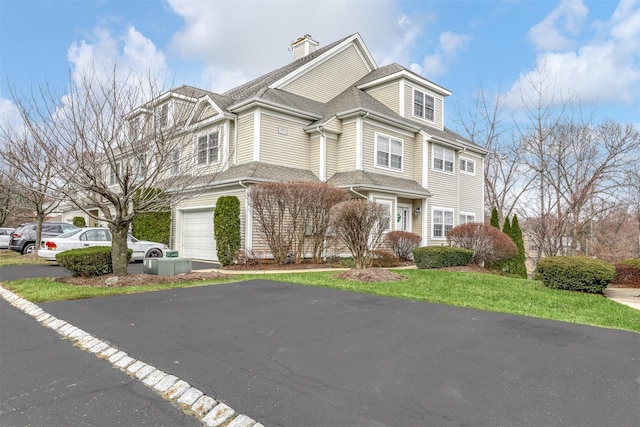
<point>16,272</point>
<point>296,355</point>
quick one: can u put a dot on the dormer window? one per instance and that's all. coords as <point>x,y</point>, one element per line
<point>423,105</point>
<point>163,115</point>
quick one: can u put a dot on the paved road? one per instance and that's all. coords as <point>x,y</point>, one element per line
<point>46,381</point>
<point>295,355</point>
<point>15,272</point>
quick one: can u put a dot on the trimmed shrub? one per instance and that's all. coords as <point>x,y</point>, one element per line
<point>575,273</point>
<point>489,244</point>
<point>226,228</point>
<point>516,265</point>
<point>154,223</point>
<point>79,221</point>
<point>88,262</point>
<point>628,273</point>
<point>384,259</point>
<point>441,256</point>
<point>402,243</point>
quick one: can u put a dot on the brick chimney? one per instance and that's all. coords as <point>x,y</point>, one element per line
<point>303,46</point>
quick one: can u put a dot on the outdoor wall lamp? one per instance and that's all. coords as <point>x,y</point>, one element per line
<point>418,210</point>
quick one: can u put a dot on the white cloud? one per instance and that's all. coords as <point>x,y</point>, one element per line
<point>131,52</point>
<point>236,46</point>
<point>604,70</point>
<point>565,20</point>
<point>448,47</point>
<point>9,114</point>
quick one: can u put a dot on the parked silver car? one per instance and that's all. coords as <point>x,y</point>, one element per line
<point>96,236</point>
<point>5,236</point>
<point>23,238</point>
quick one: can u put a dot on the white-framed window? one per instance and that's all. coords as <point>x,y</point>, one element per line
<point>423,105</point>
<point>466,217</point>
<point>389,207</point>
<point>163,115</point>
<point>174,160</point>
<point>142,165</point>
<point>467,166</point>
<point>134,128</point>
<point>208,148</point>
<point>116,169</point>
<point>441,222</point>
<point>443,158</point>
<point>388,152</point>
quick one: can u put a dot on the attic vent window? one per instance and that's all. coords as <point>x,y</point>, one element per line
<point>283,130</point>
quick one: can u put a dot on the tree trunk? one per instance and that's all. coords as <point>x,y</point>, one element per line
<point>119,248</point>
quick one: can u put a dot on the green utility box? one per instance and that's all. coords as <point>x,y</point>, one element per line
<point>166,266</point>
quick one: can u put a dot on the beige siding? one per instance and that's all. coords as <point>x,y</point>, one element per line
<point>370,131</point>
<point>244,149</point>
<point>388,94</point>
<point>438,106</point>
<point>332,155</point>
<point>346,153</point>
<point>291,149</point>
<point>472,188</point>
<point>314,154</point>
<point>331,77</point>
<point>418,155</point>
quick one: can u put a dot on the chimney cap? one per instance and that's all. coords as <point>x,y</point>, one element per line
<point>304,38</point>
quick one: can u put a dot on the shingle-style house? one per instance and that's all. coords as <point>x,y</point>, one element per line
<point>331,115</point>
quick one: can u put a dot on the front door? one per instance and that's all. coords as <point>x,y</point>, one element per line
<point>404,217</point>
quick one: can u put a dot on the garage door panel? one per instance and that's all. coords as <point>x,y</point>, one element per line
<point>198,240</point>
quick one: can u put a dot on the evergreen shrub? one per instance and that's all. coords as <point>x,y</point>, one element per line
<point>441,256</point>
<point>575,273</point>
<point>79,221</point>
<point>88,262</point>
<point>226,228</point>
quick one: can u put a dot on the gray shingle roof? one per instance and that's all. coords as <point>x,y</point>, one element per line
<point>259,171</point>
<point>375,181</point>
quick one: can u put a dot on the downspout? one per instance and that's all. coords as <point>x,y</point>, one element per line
<point>248,222</point>
<point>359,194</point>
<point>323,154</point>
<point>235,140</point>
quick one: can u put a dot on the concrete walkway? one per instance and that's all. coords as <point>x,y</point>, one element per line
<point>626,296</point>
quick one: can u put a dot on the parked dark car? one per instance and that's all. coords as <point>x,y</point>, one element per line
<point>23,238</point>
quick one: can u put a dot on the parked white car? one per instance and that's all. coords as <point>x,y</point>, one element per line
<point>5,236</point>
<point>86,237</point>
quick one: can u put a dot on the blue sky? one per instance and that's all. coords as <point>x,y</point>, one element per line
<point>590,49</point>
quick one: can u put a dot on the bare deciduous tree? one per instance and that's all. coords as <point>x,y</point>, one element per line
<point>361,225</point>
<point>30,172</point>
<point>293,215</point>
<point>109,141</point>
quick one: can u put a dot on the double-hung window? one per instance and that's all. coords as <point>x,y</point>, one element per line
<point>388,152</point>
<point>442,159</point>
<point>175,161</point>
<point>442,222</point>
<point>466,218</point>
<point>423,105</point>
<point>163,115</point>
<point>115,173</point>
<point>208,148</point>
<point>467,166</point>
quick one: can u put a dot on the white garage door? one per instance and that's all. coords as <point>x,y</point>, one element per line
<point>198,240</point>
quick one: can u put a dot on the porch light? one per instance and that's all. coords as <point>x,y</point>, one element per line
<point>418,210</point>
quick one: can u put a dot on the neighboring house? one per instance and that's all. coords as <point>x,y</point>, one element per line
<point>331,115</point>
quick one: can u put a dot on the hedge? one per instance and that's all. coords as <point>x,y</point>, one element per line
<point>79,221</point>
<point>575,273</point>
<point>226,228</point>
<point>441,256</point>
<point>88,262</point>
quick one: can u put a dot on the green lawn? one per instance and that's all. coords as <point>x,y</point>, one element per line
<point>8,257</point>
<point>474,290</point>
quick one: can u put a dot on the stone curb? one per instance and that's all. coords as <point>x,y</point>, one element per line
<point>171,388</point>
